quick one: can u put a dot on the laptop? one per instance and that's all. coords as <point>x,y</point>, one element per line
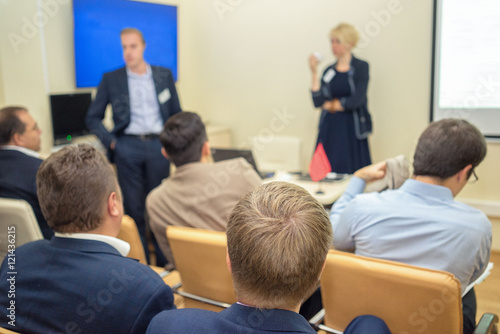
<point>220,154</point>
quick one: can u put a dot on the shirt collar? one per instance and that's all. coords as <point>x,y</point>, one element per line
<point>24,150</point>
<point>427,190</point>
<point>121,246</point>
<point>148,73</point>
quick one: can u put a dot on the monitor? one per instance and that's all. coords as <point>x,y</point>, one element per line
<point>68,116</point>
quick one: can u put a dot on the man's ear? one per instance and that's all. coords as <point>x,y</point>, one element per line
<point>113,205</point>
<point>164,153</point>
<point>463,174</point>
<point>17,140</point>
<point>228,262</point>
<point>205,150</point>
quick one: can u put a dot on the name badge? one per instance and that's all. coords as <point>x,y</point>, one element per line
<point>329,75</point>
<point>164,96</point>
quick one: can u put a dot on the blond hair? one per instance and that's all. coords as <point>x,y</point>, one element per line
<point>133,31</point>
<point>346,34</point>
<point>278,237</point>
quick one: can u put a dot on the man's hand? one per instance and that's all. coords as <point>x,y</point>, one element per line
<point>373,172</point>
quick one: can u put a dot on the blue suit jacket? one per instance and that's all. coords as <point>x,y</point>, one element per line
<point>80,286</point>
<point>18,181</point>
<point>236,319</point>
<point>114,89</point>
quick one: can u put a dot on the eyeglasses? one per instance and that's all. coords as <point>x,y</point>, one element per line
<point>473,180</point>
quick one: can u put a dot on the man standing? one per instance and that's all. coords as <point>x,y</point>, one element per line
<point>278,238</point>
<point>19,160</point>
<point>199,194</point>
<point>420,223</point>
<point>142,97</point>
<point>80,281</point>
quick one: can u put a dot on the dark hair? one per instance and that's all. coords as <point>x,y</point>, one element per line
<point>183,137</point>
<point>448,146</point>
<point>278,237</point>
<point>10,124</point>
<point>73,186</point>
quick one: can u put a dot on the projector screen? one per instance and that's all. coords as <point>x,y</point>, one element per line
<point>466,63</point>
<point>97,26</point>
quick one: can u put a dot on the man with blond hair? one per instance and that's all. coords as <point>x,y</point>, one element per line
<point>142,97</point>
<point>19,159</point>
<point>80,281</point>
<point>278,237</point>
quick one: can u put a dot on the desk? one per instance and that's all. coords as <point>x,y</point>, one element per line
<point>331,190</point>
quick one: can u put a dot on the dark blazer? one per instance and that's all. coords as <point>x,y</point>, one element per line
<point>18,181</point>
<point>80,286</point>
<point>235,319</point>
<point>114,89</point>
<point>357,103</point>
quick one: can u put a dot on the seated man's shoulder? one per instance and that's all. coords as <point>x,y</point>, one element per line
<point>184,321</point>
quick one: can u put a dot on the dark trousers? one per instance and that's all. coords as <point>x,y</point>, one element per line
<point>141,167</point>
<point>469,309</point>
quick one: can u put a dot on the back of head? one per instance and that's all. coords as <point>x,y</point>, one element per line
<point>183,137</point>
<point>446,147</point>
<point>278,237</point>
<point>10,123</point>
<point>73,186</point>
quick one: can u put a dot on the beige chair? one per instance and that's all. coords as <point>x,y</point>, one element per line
<point>409,299</point>
<point>130,233</point>
<point>6,331</point>
<point>200,258</point>
<point>18,224</point>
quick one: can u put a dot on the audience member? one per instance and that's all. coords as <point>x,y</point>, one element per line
<point>19,160</point>
<point>80,281</point>
<point>420,223</point>
<point>278,237</point>
<point>199,194</point>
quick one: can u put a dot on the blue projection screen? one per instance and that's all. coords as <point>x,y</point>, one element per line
<point>97,36</point>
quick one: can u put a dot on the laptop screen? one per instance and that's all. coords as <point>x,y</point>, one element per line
<point>220,154</point>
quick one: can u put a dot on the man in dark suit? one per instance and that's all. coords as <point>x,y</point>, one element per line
<point>278,237</point>
<point>142,97</point>
<point>80,281</point>
<point>19,159</point>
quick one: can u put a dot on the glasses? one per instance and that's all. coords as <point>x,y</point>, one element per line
<point>475,178</point>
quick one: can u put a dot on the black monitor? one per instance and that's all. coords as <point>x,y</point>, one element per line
<point>68,116</point>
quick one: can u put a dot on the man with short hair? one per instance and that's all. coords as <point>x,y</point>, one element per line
<point>199,194</point>
<point>420,223</point>
<point>278,237</point>
<point>142,97</point>
<point>19,159</point>
<point>80,281</point>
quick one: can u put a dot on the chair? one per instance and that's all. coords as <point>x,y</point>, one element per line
<point>130,233</point>
<point>200,258</point>
<point>409,299</point>
<point>18,224</point>
<point>6,331</point>
<point>277,153</point>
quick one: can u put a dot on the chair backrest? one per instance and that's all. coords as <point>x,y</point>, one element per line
<point>277,153</point>
<point>6,331</point>
<point>130,233</point>
<point>409,299</point>
<point>200,258</point>
<point>18,224</point>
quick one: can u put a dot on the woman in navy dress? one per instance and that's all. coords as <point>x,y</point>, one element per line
<point>345,122</point>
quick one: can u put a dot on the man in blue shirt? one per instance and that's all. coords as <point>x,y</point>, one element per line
<point>278,238</point>
<point>420,223</point>
<point>142,97</point>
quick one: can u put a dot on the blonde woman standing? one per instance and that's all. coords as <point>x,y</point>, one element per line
<point>345,122</point>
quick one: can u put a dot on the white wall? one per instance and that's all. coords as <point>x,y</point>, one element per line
<point>243,64</point>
